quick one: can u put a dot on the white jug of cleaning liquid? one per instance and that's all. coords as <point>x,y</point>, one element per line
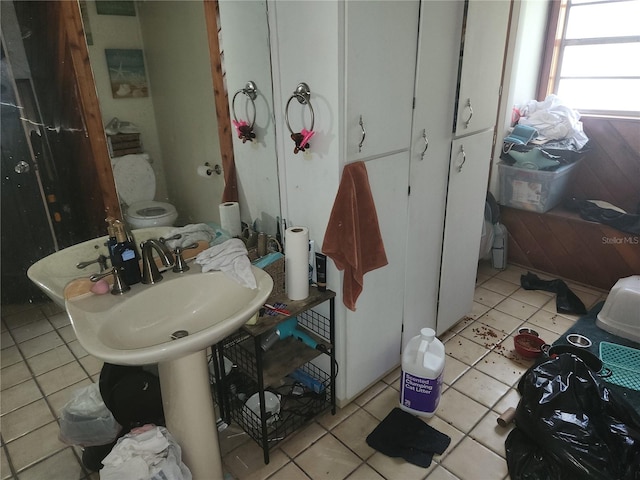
<point>422,371</point>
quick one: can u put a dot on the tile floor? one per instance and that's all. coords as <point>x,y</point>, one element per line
<point>42,364</point>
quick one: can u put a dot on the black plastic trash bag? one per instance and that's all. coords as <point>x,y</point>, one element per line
<point>570,426</point>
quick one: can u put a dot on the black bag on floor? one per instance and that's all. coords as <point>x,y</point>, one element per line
<point>570,425</point>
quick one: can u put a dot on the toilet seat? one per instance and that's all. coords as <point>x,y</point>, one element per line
<point>150,213</point>
<point>136,186</point>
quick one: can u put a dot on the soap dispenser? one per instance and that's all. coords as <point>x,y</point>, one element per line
<point>125,256</point>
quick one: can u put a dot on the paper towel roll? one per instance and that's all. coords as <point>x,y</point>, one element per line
<point>205,171</point>
<point>230,218</point>
<point>296,262</point>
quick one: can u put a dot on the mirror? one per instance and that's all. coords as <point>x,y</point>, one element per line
<point>177,119</point>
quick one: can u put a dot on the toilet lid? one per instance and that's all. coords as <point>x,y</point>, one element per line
<point>135,180</point>
<point>150,209</point>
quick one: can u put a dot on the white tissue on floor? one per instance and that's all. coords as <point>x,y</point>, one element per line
<point>231,258</point>
<point>146,453</point>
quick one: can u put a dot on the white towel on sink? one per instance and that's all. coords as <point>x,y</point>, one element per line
<point>231,258</point>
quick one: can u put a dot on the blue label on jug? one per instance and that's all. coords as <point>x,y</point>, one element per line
<point>420,394</point>
<point>128,254</point>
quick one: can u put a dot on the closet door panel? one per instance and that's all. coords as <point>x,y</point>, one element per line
<point>468,175</point>
<point>380,60</point>
<point>484,38</point>
<point>373,331</point>
<point>435,90</point>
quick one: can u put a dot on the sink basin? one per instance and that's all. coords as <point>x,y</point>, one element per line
<point>137,328</point>
<point>52,273</point>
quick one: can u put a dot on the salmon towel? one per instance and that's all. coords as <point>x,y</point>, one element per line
<point>352,239</point>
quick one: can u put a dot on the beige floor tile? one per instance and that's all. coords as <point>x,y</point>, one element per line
<point>443,427</point>
<point>67,333</point>
<point>60,378</point>
<point>19,396</point>
<point>470,457</point>
<point>459,410</point>
<point>35,446</point>
<point>62,465</point>
<point>31,330</point>
<point>487,297</point>
<point>393,378</point>
<point>485,268</point>
<point>50,360</point>
<point>502,368</point>
<point>25,419</point>
<point>500,286</point>
<point>77,349</point>
<point>22,318</point>
<point>453,369</point>
<point>478,310</point>
<point>462,324</point>
<point>328,458</point>
<point>5,470</point>
<point>397,468</point>
<point>370,393</point>
<point>231,438</point>
<point>537,298</point>
<point>13,375</point>
<point>247,462</point>
<point>353,432</point>
<point>551,321</point>
<point>365,472</point>
<point>500,321</point>
<point>464,350</point>
<point>381,405</point>
<point>481,387</point>
<point>481,278</point>
<point>328,421</point>
<point>51,309</point>
<point>516,308</point>
<point>289,472</point>
<point>511,274</point>
<point>60,319</point>
<point>6,340</point>
<point>40,344</point>
<point>302,439</point>
<point>441,473</point>
<point>10,356</point>
<point>483,335</point>
<point>92,365</point>
<point>490,434</point>
<point>511,399</point>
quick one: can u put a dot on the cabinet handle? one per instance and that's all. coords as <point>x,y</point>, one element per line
<point>468,120</point>
<point>464,158</point>
<point>364,134</point>
<point>426,144</point>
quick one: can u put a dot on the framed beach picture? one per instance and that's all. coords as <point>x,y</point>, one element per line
<point>127,73</point>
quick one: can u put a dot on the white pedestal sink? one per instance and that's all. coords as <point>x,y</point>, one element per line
<point>137,329</point>
<point>52,273</point>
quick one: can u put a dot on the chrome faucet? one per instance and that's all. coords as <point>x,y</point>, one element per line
<point>101,260</point>
<point>150,272</point>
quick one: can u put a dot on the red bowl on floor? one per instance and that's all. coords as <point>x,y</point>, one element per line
<point>528,345</point>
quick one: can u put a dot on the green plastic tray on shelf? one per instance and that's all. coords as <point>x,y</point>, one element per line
<point>624,362</point>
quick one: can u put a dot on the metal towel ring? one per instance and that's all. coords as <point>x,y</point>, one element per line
<point>302,93</point>
<point>250,90</point>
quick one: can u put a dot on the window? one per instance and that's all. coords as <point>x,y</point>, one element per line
<point>594,62</point>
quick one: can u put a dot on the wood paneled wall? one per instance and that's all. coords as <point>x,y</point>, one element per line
<point>561,243</point>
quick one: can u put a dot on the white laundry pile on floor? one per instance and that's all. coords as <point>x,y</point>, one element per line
<point>146,453</point>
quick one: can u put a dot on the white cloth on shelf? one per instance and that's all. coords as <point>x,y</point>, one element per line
<point>145,453</point>
<point>231,258</point>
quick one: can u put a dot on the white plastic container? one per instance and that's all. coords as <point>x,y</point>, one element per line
<point>422,371</point>
<point>534,190</point>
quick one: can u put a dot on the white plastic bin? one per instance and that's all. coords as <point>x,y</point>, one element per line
<point>534,190</point>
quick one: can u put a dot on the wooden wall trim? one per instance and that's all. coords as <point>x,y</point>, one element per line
<point>70,13</point>
<point>230,193</point>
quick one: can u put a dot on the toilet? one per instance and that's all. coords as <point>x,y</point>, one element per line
<point>136,186</point>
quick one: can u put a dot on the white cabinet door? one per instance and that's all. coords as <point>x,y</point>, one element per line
<point>380,57</point>
<point>373,331</point>
<point>468,175</point>
<point>484,38</point>
<point>436,76</point>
